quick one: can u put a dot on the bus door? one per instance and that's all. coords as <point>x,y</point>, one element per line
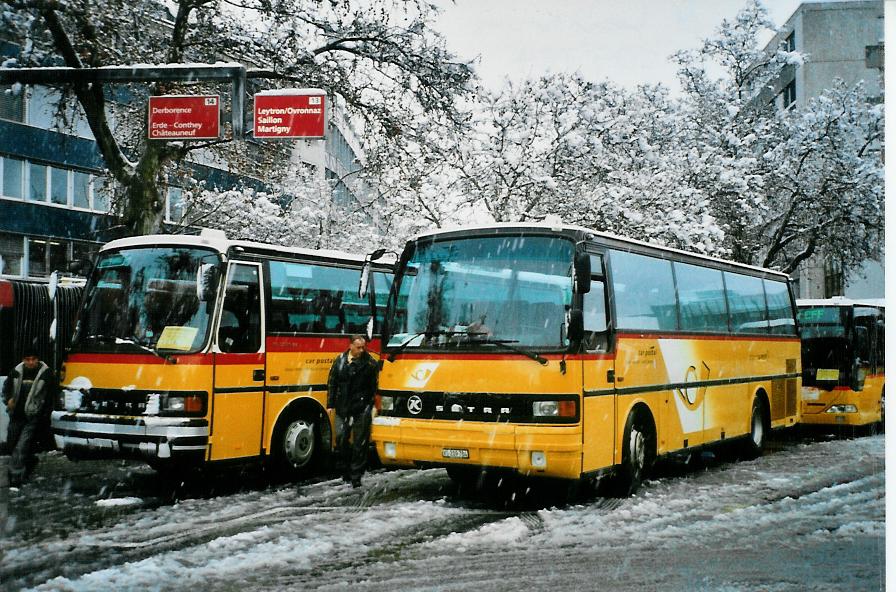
<point>238,398</point>
<point>599,400</point>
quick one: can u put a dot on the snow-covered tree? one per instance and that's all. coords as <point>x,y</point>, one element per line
<point>560,147</point>
<point>781,183</point>
<point>379,56</point>
<point>301,213</point>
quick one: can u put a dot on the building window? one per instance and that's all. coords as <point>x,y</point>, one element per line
<point>790,42</point>
<point>38,257</point>
<point>12,103</point>
<point>833,278</point>
<point>12,253</point>
<point>37,182</point>
<point>80,190</point>
<point>64,187</point>
<point>101,191</point>
<point>13,177</point>
<point>788,95</point>
<point>59,186</point>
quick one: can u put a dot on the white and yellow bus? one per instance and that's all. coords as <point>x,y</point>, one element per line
<point>563,352</point>
<point>197,349</point>
<point>843,362</point>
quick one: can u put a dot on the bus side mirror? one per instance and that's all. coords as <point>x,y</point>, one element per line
<point>207,277</point>
<point>365,271</point>
<point>582,273</point>
<point>575,328</point>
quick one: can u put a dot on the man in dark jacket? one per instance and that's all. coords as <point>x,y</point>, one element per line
<point>28,393</point>
<point>350,391</point>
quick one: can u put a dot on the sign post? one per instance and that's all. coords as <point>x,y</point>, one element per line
<point>177,117</point>
<point>290,113</point>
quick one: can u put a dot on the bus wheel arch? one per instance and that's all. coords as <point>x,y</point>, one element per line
<point>638,450</point>
<point>301,438</point>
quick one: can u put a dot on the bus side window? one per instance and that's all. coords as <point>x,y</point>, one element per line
<point>595,317</point>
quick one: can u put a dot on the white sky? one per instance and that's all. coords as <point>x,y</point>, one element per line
<point>625,41</point>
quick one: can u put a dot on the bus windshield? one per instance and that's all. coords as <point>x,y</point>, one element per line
<point>822,321</point>
<point>145,299</point>
<point>459,292</point>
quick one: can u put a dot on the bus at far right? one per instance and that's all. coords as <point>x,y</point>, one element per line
<point>843,363</point>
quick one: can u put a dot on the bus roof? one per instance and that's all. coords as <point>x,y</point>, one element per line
<point>572,228</point>
<point>839,301</point>
<point>219,242</point>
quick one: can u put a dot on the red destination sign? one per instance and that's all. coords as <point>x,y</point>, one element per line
<point>299,113</point>
<point>194,117</point>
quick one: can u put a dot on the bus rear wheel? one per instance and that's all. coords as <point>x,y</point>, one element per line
<point>755,442</point>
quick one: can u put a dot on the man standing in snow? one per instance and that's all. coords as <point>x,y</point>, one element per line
<point>27,393</point>
<point>350,391</point>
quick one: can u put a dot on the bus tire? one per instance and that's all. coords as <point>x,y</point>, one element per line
<point>638,453</point>
<point>755,441</point>
<point>296,446</point>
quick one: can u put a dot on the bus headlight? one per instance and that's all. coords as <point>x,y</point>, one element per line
<point>387,403</point>
<point>539,459</point>
<point>186,403</point>
<point>841,409</point>
<point>390,450</point>
<point>554,408</point>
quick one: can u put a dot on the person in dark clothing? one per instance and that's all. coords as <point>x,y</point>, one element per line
<point>350,390</point>
<point>27,392</point>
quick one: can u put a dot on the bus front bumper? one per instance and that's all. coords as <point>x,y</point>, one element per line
<point>547,451</point>
<point>92,435</point>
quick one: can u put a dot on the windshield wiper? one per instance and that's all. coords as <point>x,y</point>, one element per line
<point>506,344</point>
<point>408,341</point>
<point>158,354</point>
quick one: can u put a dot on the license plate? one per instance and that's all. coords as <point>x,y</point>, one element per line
<point>455,453</point>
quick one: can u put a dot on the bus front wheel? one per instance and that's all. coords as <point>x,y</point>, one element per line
<point>297,446</point>
<point>638,452</point>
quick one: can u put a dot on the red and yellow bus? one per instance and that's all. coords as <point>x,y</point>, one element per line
<point>199,349</point>
<point>843,362</point>
<point>564,352</point>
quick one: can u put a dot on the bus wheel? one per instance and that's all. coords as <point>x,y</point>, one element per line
<point>297,446</point>
<point>638,452</point>
<point>756,440</point>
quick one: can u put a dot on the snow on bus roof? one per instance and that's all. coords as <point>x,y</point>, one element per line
<point>839,301</point>
<point>220,242</point>
<point>562,226</point>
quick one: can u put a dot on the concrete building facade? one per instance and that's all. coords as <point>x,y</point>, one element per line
<point>841,40</point>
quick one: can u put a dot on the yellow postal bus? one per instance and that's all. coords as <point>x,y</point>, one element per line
<point>563,352</point>
<point>843,362</point>
<point>196,349</point>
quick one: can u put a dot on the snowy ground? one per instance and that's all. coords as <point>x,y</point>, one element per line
<point>807,516</point>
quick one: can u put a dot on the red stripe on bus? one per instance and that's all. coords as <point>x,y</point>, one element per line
<point>143,359</point>
<point>787,338</point>
<point>237,359</point>
<point>288,343</point>
<point>501,356</point>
